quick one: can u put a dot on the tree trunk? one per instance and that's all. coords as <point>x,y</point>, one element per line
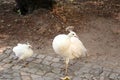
<point>27,6</point>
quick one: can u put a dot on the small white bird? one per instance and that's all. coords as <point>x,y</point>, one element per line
<point>69,47</point>
<point>23,51</point>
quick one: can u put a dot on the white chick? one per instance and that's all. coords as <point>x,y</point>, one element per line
<point>23,51</point>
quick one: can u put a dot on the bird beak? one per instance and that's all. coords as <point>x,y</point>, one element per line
<point>30,46</point>
<point>76,36</point>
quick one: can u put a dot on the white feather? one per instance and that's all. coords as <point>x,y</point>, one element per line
<point>23,51</point>
<point>69,46</point>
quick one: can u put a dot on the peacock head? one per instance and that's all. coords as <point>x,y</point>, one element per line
<point>28,44</point>
<point>72,34</point>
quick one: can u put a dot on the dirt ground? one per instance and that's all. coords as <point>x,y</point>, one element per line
<point>100,34</point>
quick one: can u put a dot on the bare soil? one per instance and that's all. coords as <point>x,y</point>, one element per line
<point>99,32</point>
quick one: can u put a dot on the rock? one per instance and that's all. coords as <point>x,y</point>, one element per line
<point>96,70</point>
<point>46,68</point>
<point>7,60</point>
<point>2,21</point>
<point>17,67</point>
<point>83,70</point>
<point>34,55</point>
<point>52,75</point>
<point>7,65</point>
<point>104,78</point>
<point>9,25</point>
<point>56,60</point>
<point>17,78</point>
<point>7,76</point>
<point>8,51</point>
<point>26,78</point>
<point>105,74</point>
<point>46,62</point>
<point>40,72</point>
<point>37,61</point>
<point>16,74</point>
<point>16,20</point>
<point>56,65</point>
<point>41,56</point>
<point>33,70</point>
<point>29,59</point>
<point>48,78</point>
<point>25,73</point>
<point>88,76</point>
<point>48,58</point>
<point>56,70</point>
<point>36,77</point>
<point>33,65</point>
<point>113,76</point>
<point>77,78</point>
<point>25,69</point>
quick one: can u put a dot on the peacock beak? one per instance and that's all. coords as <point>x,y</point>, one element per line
<point>76,36</point>
<point>30,46</point>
